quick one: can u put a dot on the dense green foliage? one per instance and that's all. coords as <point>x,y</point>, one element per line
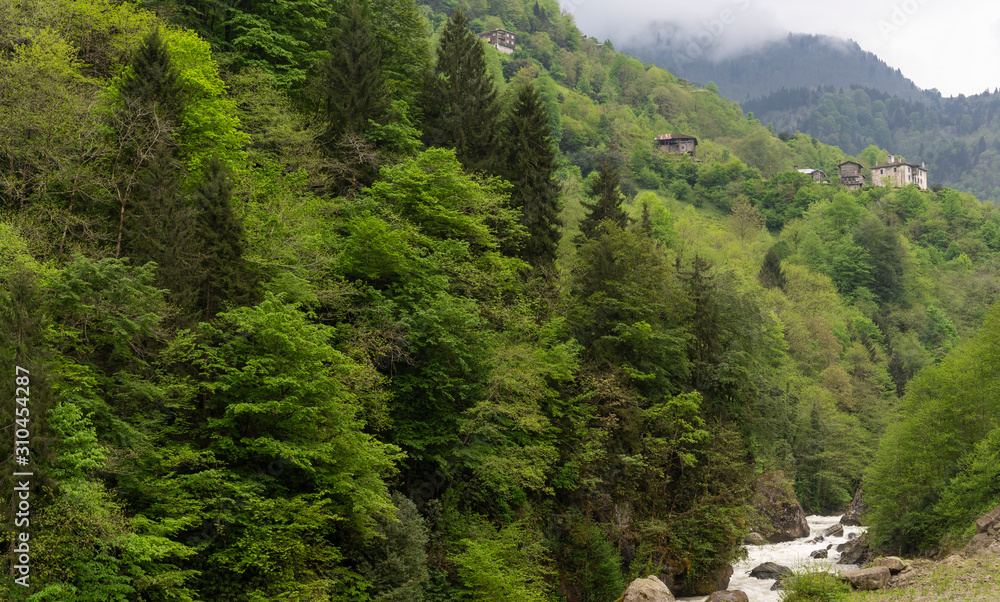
<point>936,471</point>
<point>814,586</point>
<point>283,350</point>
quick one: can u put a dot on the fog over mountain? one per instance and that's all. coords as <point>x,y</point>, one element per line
<point>953,47</point>
<point>793,61</point>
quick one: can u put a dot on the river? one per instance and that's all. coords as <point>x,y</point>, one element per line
<point>793,554</point>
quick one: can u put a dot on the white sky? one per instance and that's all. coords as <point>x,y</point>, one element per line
<point>951,45</point>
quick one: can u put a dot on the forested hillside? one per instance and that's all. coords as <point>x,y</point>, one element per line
<point>956,137</point>
<point>798,60</point>
<point>833,90</point>
<point>332,301</point>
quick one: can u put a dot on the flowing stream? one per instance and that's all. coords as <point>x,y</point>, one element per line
<point>793,554</point>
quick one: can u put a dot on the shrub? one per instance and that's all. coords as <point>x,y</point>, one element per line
<point>813,586</point>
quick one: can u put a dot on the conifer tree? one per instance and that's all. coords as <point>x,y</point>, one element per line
<point>530,165</point>
<point>771,275</point>
<point>144,123</point>
<point>354,84</point>
<point>153,81</point>
<point>460,102</point>
<point>646,223</point>
<point>161,229</point>
<point>220,238</point>
<point>608,204</point>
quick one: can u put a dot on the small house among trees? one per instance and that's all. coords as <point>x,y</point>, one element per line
<point>501,39</point>
<point>817,175</point>
<point>898,173</point>
<point>851,176</point>
<point>677,143</point>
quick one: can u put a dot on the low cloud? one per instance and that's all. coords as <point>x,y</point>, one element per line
<point>953,45</point>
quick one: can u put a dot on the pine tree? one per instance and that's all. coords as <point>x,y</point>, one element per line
<point>646,223</point>
<point>153,82</point>
<point>152,99</point>
<point>162,229</point>
<point>608,204</point>
<point>460,102</point>
<point>220,238</point>
<point>530,165</point>
<point>354,85</point>
<point>771,275</point>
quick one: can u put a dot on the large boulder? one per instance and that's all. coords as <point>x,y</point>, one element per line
<point>818,554</point>
<point>729,595</point>
<point>834,531</point>
<point>650,589</point>
<point>755,539</point>
<point>716,580</point>
<point>989,523</point>
<point>855,551</point>
<point>782,517</point>
<point>769,570</point>
<point>855,510</point>
<point>874,578</point>
<point>895,564</point>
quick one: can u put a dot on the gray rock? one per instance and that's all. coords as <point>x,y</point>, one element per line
<point>855,510</point>
<point>714,581</point>
<point>769,570</point>
<point>893,563</point>
<point>790,523</point>
<point>988,523</point>
<point>818,554</point>
<point>650,589</point>
<point>755,539</point>
<point>855,551</point>
<point>874,578</point>
<point>834,531</point>
<point>729,595</point>
<point>781,515</point>
<point>903,579</point>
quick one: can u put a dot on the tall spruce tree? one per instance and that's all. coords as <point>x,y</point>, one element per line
<point>162,228</point>
<point>354,85</point>
<point>220,238</point>
<point>153,81</point>
<point>529,163</point>
<point>607,205</point>
<point>144,122</point>
<point>646,221</point>
<point>771,275</point>
<point>460,102</point>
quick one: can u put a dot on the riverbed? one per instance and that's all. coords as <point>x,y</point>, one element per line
<point>793,554</point>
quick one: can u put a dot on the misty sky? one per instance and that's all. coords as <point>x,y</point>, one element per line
<point>952,45</point>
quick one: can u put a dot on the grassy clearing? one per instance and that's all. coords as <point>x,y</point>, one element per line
<point>955,578</point>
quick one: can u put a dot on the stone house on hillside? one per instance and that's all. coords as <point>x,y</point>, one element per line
<point>818,175</point>
<point>851,176</point>
<point>501,39</point>
<point>677,143</point>
<point>899,173</point>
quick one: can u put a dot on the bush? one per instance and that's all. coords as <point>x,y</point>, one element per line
<point>813,586</point>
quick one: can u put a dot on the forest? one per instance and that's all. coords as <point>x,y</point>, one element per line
<point>333,301</point>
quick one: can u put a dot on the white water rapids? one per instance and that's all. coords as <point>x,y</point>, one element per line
<point>793,554</point>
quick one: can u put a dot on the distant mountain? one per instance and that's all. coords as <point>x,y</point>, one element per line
<point>842,95</point>
<point>797,61</point>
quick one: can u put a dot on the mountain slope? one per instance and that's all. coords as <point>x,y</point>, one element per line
<point>796,61</point>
